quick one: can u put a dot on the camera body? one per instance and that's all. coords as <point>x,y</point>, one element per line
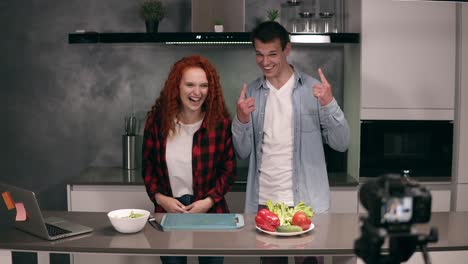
<point>393,201</point>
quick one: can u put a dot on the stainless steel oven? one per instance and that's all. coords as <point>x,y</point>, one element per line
<point>391,146</point>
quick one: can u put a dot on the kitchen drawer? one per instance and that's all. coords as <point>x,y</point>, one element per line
<point>344,200</point>
<point>104,198</point>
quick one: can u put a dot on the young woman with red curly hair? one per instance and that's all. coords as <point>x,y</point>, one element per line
<point>188,157</point>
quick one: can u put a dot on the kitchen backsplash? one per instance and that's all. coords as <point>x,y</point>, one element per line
<point>66,103</point>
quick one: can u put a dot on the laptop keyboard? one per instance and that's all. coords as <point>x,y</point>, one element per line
<point>55,230</point>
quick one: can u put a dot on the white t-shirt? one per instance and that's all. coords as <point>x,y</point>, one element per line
<point>276,169</point>
<point>179,158</point>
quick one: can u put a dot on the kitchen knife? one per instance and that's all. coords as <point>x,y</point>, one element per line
<point>126,125</point>
<point>154,223</point>
<point>132,131</point>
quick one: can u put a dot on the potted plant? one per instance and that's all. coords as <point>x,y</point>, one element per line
<point>273,14</point>
<point>152,11</point>
<point>218,25</point>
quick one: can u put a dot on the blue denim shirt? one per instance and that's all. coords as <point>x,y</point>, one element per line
<point>313,126</point>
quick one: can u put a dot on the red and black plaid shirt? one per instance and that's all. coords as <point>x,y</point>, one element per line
<point>213,163</point>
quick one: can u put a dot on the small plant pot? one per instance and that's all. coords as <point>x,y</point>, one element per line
<point>151,26</point>
<point>218,28</point>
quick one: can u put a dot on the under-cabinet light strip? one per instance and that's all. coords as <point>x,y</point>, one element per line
<point>294,39</point>
<point>310,39</point>
<point>208,42</point>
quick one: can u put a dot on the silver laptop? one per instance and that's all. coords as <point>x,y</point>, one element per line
<point>50,228</point>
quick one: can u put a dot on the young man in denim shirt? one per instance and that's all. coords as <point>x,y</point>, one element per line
<point>283,119</point>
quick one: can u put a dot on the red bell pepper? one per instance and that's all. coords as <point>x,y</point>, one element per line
<point>267,220</point>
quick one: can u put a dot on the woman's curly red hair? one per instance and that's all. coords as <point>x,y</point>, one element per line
<point>168,105</point>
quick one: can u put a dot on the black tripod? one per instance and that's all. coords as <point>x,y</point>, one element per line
<point>402,243</point>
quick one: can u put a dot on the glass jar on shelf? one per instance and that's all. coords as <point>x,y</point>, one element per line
<point>289,15</point>
<point>308,22</point>
<point>327,22</point>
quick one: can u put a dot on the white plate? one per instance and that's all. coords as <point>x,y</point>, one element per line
<point>287,233</point>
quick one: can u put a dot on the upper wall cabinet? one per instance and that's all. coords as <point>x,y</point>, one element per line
<point>408,56</point>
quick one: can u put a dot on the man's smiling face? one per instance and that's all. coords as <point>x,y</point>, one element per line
<point>271,58</point>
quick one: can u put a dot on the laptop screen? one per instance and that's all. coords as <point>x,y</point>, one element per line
<point>33,221</point>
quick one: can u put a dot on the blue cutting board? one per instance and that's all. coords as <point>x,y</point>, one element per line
<point>202,221</point>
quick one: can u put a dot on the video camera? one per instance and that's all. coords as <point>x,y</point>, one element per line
<point>393,203</point>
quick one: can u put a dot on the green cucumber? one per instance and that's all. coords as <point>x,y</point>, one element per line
<point>288,229</point>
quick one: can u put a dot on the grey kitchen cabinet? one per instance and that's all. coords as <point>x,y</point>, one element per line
<point>344,200</point>
<point>460,179</point>
<point>105,198</point>
<point>408,60</point>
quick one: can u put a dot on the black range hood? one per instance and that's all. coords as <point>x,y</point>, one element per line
<point>202,38</point>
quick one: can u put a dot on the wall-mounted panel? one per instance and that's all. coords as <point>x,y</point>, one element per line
<point>206,12</point>
<point>408,59</point>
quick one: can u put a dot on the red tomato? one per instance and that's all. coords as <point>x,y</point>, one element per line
<point>301,219</point>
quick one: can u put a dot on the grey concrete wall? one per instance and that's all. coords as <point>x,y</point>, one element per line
<point>63,105</point>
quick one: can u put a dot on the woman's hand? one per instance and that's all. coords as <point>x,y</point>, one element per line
<point>200,206</point>
<point>171,205</point>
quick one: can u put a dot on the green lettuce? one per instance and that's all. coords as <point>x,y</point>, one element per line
<point>286,213</point>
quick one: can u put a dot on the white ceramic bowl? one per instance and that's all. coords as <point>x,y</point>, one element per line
<point>122,222</point>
